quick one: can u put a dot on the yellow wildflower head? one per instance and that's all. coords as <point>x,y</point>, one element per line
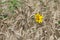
<point>38,18</point>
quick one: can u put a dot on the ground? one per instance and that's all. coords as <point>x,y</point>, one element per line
<point>17,20</point>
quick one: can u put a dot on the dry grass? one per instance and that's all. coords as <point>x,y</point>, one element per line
<point>17,23</point>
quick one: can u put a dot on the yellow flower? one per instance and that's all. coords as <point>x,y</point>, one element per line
<point>38,18</point>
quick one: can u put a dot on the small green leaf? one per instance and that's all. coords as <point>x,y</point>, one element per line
<point>1,17</point>
<point>2,2</point>
<point>11,8</point>
<point>5,16</point>
<point>58,22</point>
